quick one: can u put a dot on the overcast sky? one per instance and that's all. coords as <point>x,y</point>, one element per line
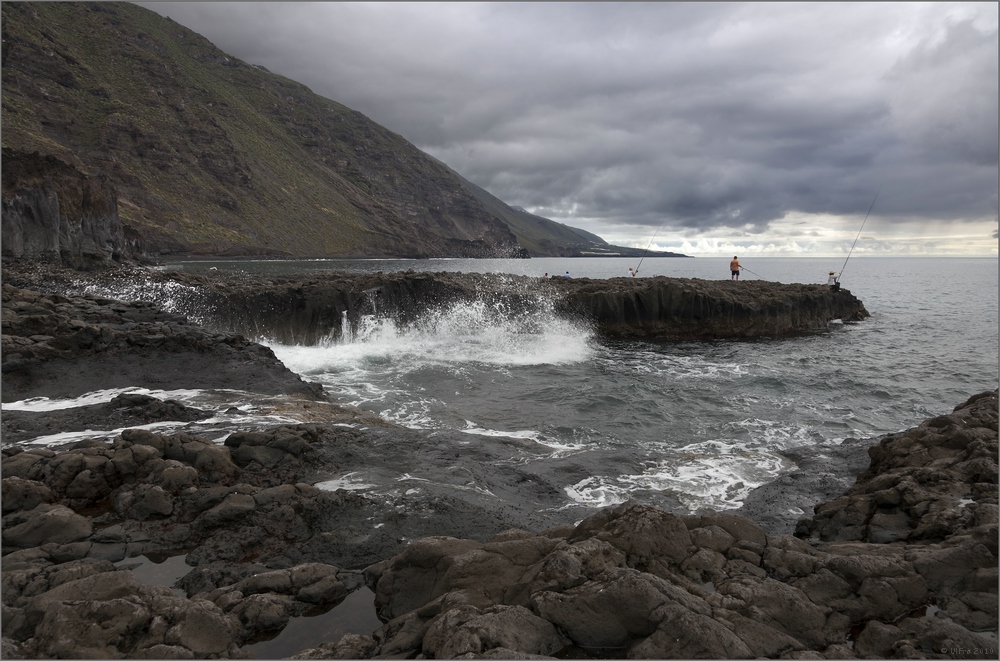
<point>707,128</point>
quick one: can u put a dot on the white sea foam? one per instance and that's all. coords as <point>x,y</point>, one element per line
<point>167,295</point>
<point>468,486</point>
<point>190,397</point>
<point>74,436</point>
<point>711,474</point>
<point>352,481</point>
<point>464,332</point>
<point>383,366</point>
<point>596,492</point>
<point>231,408</point>
<point>472,428</point>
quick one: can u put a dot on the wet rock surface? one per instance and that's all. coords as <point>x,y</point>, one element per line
<point>632,581</point>
<point>306,309</point>
<point>125,410</point>
<point>818,477</point>
<point>59,346</point>
<point>636,582</point>
<point>903,564</point>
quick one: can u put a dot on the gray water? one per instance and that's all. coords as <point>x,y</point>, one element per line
<point>694,423</point>
<point>703,421</point>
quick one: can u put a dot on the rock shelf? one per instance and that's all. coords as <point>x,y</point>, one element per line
<point>628,582</point>
<point>306,309</point>
<point>903,564</point>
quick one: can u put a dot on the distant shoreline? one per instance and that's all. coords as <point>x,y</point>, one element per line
<point>299,258</point>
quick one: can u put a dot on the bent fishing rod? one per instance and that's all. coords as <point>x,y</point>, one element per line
<point>647,249</point>
<point>859,233</point>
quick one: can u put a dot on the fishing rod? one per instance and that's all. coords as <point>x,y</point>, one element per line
<point>743,268</point>
<point>859,233</point>
<point>636,272</point>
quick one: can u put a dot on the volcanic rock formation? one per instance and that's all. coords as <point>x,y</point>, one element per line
<point>307,309</point>
<point>53,211</point>
<point>628,582</point>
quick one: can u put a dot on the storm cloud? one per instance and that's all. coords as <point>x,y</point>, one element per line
<point>697,120</point>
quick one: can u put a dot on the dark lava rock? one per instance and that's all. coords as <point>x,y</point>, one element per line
<point>60,346</point>
<point>123,411</point>
<point>903,564</point>
<point>821,475</point>
<point>308,308</point>
<point>923,484</point>
<point>636,582</point>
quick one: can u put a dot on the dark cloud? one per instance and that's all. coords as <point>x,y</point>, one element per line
<point>694,116</point>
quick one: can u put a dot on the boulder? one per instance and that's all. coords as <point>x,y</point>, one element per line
<point>471,631</point>
<point>48,524</point>
<point>682,634</point>
<point>131,620</point>
<point>22,494</point>
<point>651,539</point>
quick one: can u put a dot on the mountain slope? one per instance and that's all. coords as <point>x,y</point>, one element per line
<point>543,237</point>
<point>211,155</point>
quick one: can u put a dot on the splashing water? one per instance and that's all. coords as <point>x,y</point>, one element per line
<point>456,335</point>
<point>455,366</point>
<point>606,420</point>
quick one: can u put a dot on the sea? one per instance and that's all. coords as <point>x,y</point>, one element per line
<point>705,422</point>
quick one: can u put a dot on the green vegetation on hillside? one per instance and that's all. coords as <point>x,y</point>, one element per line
<point>213,155</point>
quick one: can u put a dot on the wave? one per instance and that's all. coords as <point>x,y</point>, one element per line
<point>466,332</point>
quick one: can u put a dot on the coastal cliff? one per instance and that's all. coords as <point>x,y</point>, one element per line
<point>323,306</point>
<point>53,211</point>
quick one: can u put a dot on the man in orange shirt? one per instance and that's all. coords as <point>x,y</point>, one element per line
<point>734,268</point>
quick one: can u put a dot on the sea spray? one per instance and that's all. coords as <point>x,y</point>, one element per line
<point>389,366</point>
<point>459,333</point>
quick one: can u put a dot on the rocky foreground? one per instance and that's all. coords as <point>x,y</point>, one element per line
<point>902,565</point>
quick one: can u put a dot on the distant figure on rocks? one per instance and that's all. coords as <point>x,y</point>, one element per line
<point>734,268</point>
<point>631,273</point>
<point>545,277</point>
<point>833,281</point>
<point>567,274</point>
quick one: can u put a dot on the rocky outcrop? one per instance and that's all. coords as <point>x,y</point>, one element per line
<point>60,346</point>
<point>638,308</point>
<point>309,309</point>
<point>926,484</point>
<point>87,610</point>
<point>686,308</point>
<point>627,582</point>
<point>53,211</point>
<point>258,535</point>
<point>636,582</point>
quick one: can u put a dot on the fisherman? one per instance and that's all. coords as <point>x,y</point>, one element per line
<point>631,273</point>
<point>833,281</point>
<point>734,268</point>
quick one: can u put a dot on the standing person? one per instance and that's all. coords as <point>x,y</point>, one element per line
<point>631,273</point>
<point>734,268</point>
<point>545,277</point>
<point>833,281</point>
<point>567,274</point>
